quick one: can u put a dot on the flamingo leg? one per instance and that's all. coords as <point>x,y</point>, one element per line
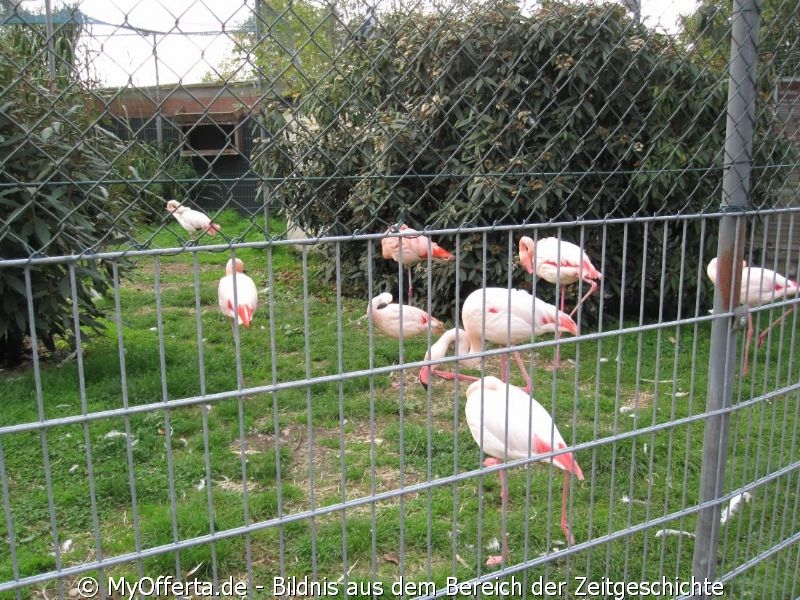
<point>591,291</point>
<point>493,561</point>
<point>410,287</point>
<point>521,364</point>
<point>557,359</point>
<point>764,333</point>
<point>490,462</point>
<point>747,343</point>
<point>564,523</point>
<point>239,374</point>
<point>504,368</point>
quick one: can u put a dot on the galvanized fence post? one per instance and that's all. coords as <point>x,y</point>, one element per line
<point>730,251</point>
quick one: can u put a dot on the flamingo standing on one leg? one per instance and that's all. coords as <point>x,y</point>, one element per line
<point>192,220</point>
<point>759,287</point>
<point>385,316</point>
<point>562,262</point>
<point>505,317</point>
<point>409,250</point>
<point>508,424</point>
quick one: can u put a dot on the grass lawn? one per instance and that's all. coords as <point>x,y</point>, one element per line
<point>286,459</point>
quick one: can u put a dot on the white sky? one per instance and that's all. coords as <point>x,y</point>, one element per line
<point>120,56</point>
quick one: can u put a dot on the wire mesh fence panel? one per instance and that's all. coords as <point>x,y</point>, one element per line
<point>454,299</point>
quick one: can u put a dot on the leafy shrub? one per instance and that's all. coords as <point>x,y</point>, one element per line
<point>152,178</point>
<point>485,116</point>
<point>52,158</point>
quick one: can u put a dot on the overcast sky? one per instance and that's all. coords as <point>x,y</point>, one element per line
<point>121,56</point>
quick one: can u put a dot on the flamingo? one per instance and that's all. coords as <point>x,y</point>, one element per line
<point>558,261</point>
<point>500,316</point>
<point>385,316</point>
<point>562,262</point>
<point>439,350</point>
<point>508,424</point>
<point>193,221</point>
<point>409,250</point>
<point>759,286</point>
<point>241,310</point>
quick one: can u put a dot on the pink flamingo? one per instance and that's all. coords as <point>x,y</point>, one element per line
<point>246,294</point>
<point>409,250</point>
<point>439,350</point>
<point>501,316</point>
<point>385,316</point>
<point>193,221</point>
<point>759,287</point>
<point>562,262</point>
<point>508,424</point>
<point>558,261</point>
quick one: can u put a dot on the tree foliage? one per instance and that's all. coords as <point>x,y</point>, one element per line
<point>485,116</point>
<point>707,32</point>
<point>52,158</point>
<point>289,45</point>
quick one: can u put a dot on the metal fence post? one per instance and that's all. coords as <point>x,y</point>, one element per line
<point>730,251</point>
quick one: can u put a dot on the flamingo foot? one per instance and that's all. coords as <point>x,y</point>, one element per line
<point>494,561</point>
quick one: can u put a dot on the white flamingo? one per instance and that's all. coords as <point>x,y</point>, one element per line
<point>385,315</point>
<point>501,316</point>
<point>759,287</point>
<point>193,221</point>
<point>409,250</point>
<point>559,261</point>
<point>508,424</point>
<point>246,300</point>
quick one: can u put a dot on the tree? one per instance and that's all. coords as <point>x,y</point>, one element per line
<point>290,45</point>
<point>706,32</point>
<point>484,116</point>
<point>53,154</point>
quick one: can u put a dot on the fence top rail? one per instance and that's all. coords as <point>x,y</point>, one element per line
<point>138,251</point>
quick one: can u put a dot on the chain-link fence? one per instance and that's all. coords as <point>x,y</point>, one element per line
<point>306,428</point>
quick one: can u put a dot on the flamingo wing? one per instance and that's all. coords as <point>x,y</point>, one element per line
<point>563,262</point>
<point>386,317</point>
<point>762,286</point>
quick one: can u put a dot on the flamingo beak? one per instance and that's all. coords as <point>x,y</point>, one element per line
<point>424,376</point>
<point>566,323</point>
<point>526,255</point>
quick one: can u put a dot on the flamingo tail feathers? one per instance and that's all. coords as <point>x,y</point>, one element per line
<point>245,315</point>
<point>563,461</point>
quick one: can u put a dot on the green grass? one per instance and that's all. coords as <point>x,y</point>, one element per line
<point>314,445</point>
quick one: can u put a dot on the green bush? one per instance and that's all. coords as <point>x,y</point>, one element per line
<point>52,205</point>
<point>485,116</point>
<point>153,178</point>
